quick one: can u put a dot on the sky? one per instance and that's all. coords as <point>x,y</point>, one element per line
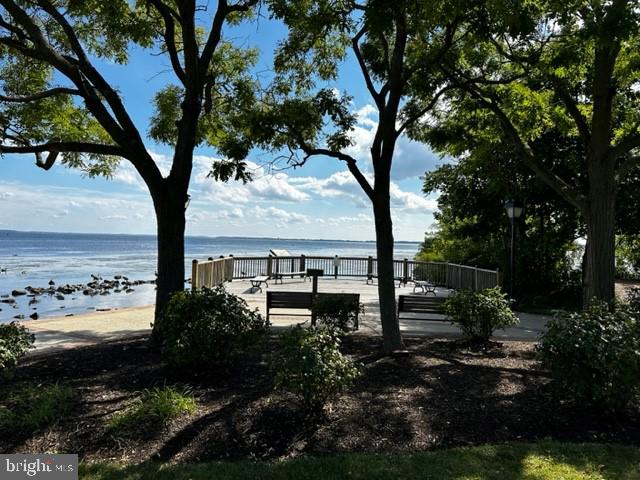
<point>319,200</point>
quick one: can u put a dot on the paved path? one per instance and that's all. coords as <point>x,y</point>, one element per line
<point>87,329</point>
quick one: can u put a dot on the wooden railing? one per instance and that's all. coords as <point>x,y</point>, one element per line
<point>450,275</point>
<point>211,273</point>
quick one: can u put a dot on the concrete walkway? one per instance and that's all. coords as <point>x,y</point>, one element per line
<point>68,332</point>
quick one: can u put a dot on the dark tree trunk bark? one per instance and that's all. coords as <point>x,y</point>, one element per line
<point>599,260</point>
<point>386,285</point>
<point>170,215</point>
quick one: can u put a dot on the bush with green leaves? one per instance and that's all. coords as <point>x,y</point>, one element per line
<point>208,327</point>
<point>36,406</point>
<point>158,405</point>
<point>310,364</point>
<point>595,354</point>
<point>633,301</point>
<point>338,311</point>
<point>480,313</point>
<point>15,342</point>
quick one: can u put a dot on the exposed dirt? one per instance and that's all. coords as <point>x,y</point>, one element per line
<point>444,393</point>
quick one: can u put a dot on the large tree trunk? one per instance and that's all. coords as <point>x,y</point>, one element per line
<point>386,285</point>
<point>599,260</point>
<point>170,215</point>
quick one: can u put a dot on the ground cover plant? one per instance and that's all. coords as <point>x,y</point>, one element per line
<point>157,405</point>
<point>445,393</point>
<point>35,406</point>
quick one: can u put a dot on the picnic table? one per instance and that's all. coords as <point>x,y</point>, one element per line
<point>256,282</point>
<point>425,285</point>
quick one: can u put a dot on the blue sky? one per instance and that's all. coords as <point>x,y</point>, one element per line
<point>319,200</point>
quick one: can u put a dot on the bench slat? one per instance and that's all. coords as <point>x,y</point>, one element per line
<point>421,305</point>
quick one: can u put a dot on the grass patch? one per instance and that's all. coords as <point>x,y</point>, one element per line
<point>156,405</point>
<point>36,406</point>
<point>538,461</point>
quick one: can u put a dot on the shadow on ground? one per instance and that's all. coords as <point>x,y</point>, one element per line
<point>445,393</point>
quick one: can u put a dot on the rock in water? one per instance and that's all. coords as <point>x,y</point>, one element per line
<point>34,316</point>
<point>59,297</point>
<point>51,282</point>
<point>17,293</point>
<point>19,317</point>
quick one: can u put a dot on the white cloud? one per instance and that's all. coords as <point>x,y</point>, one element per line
<point>411,159</point>
<point>284,216</point>
<point>410,201</point>
<point>114,217</point>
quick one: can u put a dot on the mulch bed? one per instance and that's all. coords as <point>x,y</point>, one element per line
<point>445,393</point>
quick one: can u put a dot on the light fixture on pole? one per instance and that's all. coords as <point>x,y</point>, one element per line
<point>514,211</point>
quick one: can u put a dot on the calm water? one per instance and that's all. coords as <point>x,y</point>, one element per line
<point>35,258</point>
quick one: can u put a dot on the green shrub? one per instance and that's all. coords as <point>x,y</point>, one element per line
<point>479,314</point>
<point>595,354</point>
<point>15,342</point>
<point>310,364</point>
<point>207,327</point>
<point>36,407</point>
<point>633,301</point>
<point>338,312</point>
<point>154,405</point>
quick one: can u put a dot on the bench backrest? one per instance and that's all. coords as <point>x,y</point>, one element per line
<point>288,300</point>
<point>277,299</point>
<point>420,304</point>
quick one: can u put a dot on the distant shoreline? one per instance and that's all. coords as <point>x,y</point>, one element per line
<point>225,237</point>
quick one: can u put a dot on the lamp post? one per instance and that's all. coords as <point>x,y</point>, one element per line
<point>514,211</point>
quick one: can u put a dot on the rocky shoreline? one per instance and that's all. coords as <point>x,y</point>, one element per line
<point>98,286</point>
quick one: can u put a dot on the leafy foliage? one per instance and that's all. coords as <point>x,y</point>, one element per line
<point>159,404</point>
<point>207,327</point>
<point>479,314</point>
<point>337,312</point>
<point>310,364</point>
<point>595,354</point>
<point>35,407</point>
<point>15,342</point>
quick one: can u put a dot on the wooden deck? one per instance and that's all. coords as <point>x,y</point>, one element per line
<point>528,330</point>
<point>370,321</point>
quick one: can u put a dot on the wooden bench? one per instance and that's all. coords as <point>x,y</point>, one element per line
<point>301,301</point>
<point>280,275</point>
<point>421,305</point>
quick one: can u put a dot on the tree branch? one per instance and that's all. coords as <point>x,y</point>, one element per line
<point>572,107</point>
<point>628,143</point>
<point>526,154</point>
<point>168,16</point>
<point>348,159</point>
<point>377,96</point>
<point>41,95</point>
<point>61,147</point>
<point>224,9</point>
<point>423,111</point>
